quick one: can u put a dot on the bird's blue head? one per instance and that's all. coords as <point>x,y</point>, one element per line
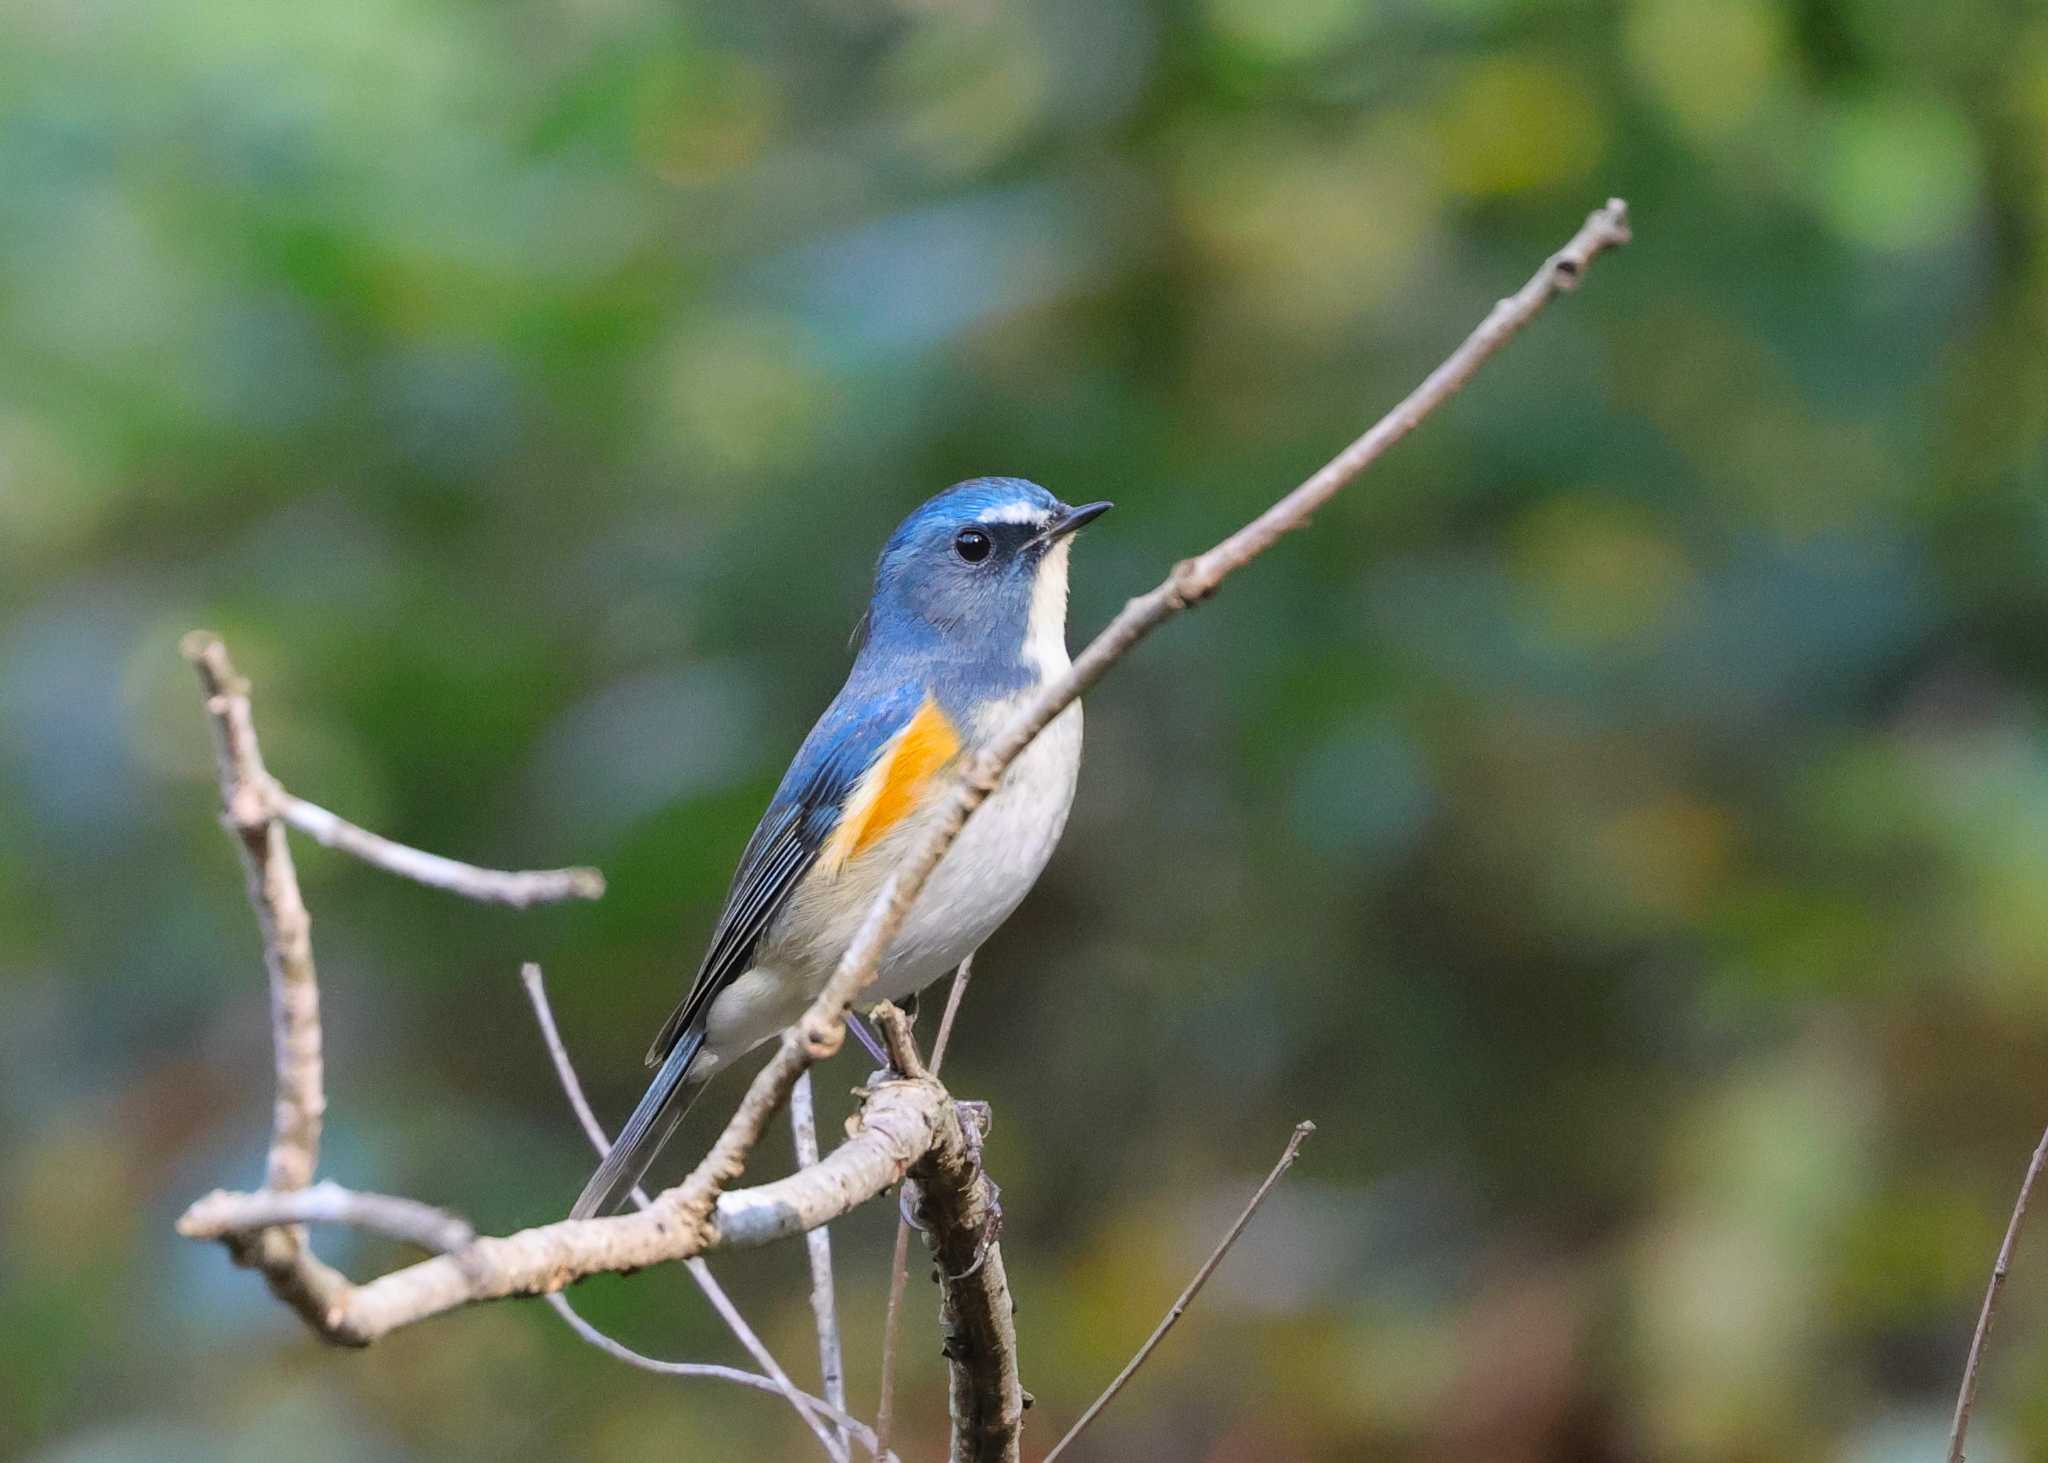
<point>979,574</point>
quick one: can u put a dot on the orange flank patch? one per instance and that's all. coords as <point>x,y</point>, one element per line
<point>892,788</point>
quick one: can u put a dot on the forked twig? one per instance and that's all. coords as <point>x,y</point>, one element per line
<point>1301,1131</point>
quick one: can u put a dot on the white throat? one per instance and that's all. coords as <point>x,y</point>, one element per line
<point>1045,633</point>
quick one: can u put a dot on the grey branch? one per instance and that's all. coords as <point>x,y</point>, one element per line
<point>1187,1297</point>
<point>1966,1398</point>
<point>956,1205</point>
<point>900,1121</point>
<point>221,1214</point>
<point>903,1120</point>
<point>517,888</point>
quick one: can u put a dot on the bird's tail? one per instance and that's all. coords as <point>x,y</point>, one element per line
<point>668,1097</point>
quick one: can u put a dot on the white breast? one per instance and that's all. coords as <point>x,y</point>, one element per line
<point>991,865</point>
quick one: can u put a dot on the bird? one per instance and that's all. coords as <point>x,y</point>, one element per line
<point>967,620</point>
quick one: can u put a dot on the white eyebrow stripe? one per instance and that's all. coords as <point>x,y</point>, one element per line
<point>1016,513</point>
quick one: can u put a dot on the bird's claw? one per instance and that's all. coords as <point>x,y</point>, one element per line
<point>976,1118</point>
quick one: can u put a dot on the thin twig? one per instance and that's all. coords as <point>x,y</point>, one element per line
<point>572,1087</point>
<point>565,1070</point>
<point>899,1042</point>
<point>517,888</point>
<point>622,1352</point>
<point>956,993</point>
<point>409,1221</point>
<point>899,1260</point>
<point>832,1442</point>
<point>899,1276</point>
<point>1966,1399</point>
<point>1187,1297</point>
<point>803,1122</point>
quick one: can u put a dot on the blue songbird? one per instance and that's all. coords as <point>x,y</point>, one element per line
<point>968,617</point>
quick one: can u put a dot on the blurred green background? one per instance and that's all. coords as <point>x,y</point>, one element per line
<point>1621,823</point>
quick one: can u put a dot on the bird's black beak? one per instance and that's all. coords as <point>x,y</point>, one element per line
<point>1068,520</point>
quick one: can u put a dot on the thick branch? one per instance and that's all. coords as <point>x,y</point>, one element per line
<point>956,1205</point>
<point>901,1120</point>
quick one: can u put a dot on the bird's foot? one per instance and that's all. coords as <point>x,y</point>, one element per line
<point>976,1118</point>
<point>907,1200</point>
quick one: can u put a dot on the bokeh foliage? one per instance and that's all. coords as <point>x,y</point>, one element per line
<point>1622,822</point>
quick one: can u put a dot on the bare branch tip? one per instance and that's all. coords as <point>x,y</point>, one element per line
<point>1606,227</point>
<point>198,646</point>
<point>208,654</point>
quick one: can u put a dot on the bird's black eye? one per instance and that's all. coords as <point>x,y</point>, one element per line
<point>971,544</point>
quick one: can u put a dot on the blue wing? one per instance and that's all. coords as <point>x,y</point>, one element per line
<point>847,740</point>
<point>792,833</point>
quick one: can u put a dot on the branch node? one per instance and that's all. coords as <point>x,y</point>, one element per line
<point>819,1037</point>
<point>1188,585</point>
